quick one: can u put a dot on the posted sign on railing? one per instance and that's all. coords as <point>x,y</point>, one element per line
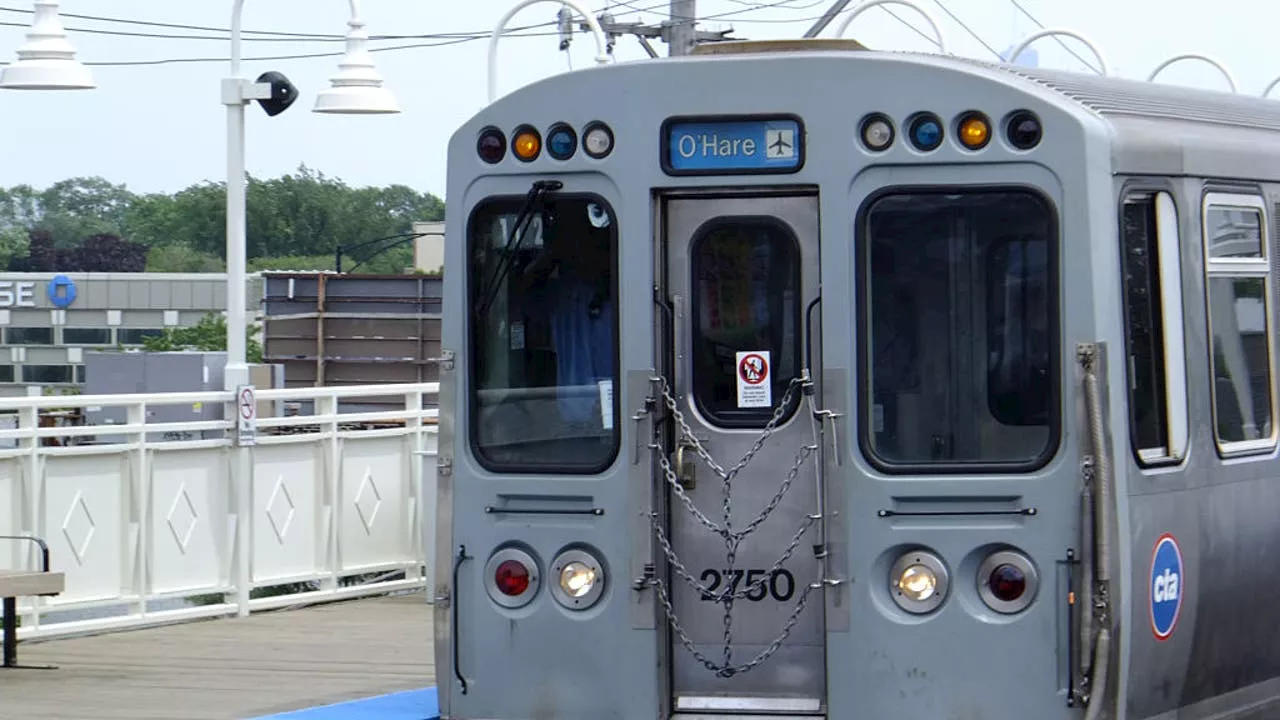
<point>246,415</point>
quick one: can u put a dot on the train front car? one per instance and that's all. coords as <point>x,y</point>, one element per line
<point>833,297</point>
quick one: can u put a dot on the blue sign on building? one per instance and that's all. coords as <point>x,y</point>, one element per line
<point>62,291</point>
<point>733,147</point>
<point>1166,586</point>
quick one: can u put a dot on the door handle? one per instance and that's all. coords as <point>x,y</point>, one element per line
<point>686,475</point>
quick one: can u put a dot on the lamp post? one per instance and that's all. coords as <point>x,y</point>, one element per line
<point>47,61</point>
<point>355,90</point>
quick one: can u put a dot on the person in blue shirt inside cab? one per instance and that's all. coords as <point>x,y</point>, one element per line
<point>571,286</point>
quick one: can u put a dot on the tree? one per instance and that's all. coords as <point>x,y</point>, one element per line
<point>210,334</point>
<point>295,221</point>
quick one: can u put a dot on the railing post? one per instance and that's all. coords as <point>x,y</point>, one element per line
<point>330,494</point>
<point>415,491</point>
<point>240,469</point>
<point>30,520</point>
<point>140,485</point>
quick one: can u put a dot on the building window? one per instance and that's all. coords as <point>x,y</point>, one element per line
<point>29,336</point>
<point>1154,347</point>
<point>958,330</point>
<point>544,334</point>
<point>1240,325</point>
<point>134,336</point>
<point>6,373</point>
<point>47,374</point>
<point>86,336</point>
<point>746,281</point>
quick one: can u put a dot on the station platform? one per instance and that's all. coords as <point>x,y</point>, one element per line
<point>367,659</point>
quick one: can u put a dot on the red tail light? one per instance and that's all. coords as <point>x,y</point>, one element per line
<point>1007,582</point>
<point>512,578</point>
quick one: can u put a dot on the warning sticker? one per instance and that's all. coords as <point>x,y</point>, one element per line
<point>754,388</point>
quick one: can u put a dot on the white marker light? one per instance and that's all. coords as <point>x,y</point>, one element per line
<point>597,140</point>
<point>877,134</point>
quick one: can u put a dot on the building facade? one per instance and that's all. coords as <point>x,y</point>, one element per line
<point>48,321</point>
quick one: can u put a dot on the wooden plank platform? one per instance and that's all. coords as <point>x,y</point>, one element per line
<point>228,668</point>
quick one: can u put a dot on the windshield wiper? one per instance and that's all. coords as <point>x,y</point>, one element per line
<point>524,218</point>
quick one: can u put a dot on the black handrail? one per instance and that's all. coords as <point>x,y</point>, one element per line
<point>44,548</point>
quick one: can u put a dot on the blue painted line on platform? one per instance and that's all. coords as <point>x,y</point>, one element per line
<point>409,705</point>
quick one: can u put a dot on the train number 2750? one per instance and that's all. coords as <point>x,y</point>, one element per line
<point>781,585</point>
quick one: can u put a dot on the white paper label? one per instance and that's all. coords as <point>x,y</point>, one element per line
<point>606,403</point>
<point>754,388</point>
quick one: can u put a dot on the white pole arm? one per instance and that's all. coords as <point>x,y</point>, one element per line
<point>602,44</point>
<point>1102,61</point>
<point>1231,81</point>
<point>940,41</point>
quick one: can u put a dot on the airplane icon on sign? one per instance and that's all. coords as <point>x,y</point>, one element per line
<point>779,143</point>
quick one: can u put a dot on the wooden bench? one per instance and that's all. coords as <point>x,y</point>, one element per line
<point>25,583</point>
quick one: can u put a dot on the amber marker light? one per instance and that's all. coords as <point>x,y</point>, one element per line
<point>526,144</point>
<point>974,131</point>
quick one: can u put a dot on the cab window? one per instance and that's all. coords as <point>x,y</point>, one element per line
<point>544,334</point>
<point>957,325</point>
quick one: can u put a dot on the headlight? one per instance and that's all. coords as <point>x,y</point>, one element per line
<point>918,582</point>
<point>580,579</point>
<point>1007,581</point>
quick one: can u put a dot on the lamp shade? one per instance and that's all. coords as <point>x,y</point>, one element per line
<point>47,61</point>
<point>357,87</point>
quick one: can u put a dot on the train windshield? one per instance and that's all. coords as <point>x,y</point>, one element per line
<point>959,344</point>
<point>544,338</point>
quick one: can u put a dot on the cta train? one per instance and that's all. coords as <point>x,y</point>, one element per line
<point>798,380</point>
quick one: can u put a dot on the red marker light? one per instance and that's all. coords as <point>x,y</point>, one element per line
<point>1007,583</point>
<point>512,578</point>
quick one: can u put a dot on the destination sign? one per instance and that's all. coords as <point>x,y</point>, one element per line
<point>703,147</point>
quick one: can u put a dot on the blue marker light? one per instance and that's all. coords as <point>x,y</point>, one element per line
<point>561,142</point>
<point>926,132</point>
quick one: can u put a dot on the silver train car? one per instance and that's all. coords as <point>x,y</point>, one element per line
<point>804,381</point>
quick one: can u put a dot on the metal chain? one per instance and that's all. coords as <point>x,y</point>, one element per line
<point>732,539</point>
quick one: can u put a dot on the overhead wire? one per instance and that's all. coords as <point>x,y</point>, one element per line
<point>452,38</point>
<point>438,39</point>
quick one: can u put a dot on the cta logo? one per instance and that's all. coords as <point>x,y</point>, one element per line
<point>1166,586</point>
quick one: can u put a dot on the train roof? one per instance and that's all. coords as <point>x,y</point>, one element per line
<point>1155,128</point>
<point>1152,128</point>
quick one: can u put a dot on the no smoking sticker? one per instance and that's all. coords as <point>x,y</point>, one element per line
<point>754,388</point>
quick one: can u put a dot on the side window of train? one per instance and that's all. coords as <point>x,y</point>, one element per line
<point>1240,324</point>
<point>1154,346</point>
<point>543,325</point>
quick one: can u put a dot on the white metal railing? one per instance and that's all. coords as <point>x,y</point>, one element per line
<point>143,520</point>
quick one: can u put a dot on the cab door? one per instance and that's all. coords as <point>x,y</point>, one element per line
<point>737,273</point>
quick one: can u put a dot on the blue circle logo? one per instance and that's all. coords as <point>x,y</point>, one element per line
<point>1166,586</point>
<point>62,291</point>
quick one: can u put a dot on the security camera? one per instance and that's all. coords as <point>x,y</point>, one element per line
<point>283,93</point>
<point>598,216</point>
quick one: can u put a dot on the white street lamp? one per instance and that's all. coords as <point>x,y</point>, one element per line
<point>356,89</point>
<point>47,61</point>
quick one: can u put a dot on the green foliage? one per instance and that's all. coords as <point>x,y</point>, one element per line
<point>298,218</point>
<point>210,334</point>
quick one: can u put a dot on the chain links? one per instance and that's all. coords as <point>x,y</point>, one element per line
<point>732,538</point>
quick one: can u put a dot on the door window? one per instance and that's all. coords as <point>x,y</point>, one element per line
<point>746,319</point>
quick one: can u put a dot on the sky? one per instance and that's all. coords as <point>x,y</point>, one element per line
<point>160,126</point>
